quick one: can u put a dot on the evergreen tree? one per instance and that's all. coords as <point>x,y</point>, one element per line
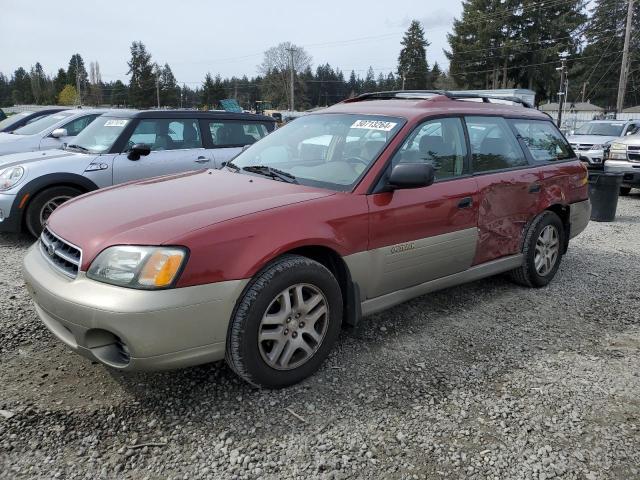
<point>434,76</point>
<point>38,83</point>
<point>118,93</point>
<point>76,65</point>
<point>59,82</point>
<point>352,86</point>
<point>5,91</point>
<point>412,62</point>
<point>212,91</point>
<point>142,85</point>
<point>169,90</point>
<point>21,91</point>
<point>370,81</point>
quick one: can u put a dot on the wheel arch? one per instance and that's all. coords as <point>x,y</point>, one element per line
<point>30,190</point>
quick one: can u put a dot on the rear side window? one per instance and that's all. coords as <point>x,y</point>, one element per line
<point>439,143</point>
<point>167,134</point>
<point>543,140</point>
<point>234,133</point>
<point>493,145</point>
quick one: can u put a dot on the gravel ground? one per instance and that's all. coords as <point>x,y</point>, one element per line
<point>486,380</point>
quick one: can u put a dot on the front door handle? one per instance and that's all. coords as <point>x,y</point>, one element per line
<point>465,202</point>
<point>534,188</point>
<point>203,160</point>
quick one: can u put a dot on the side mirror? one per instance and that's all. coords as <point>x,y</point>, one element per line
<point>139,150</point>
<point>572,132</point>
<point>59,132</point>
<point>411,175</point>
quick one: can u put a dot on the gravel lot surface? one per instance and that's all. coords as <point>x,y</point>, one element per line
<point>487,380</point>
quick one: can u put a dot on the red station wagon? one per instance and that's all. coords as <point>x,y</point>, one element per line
<point>338,215</point>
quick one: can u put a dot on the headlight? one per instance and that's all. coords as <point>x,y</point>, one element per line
<point>618,146</point>
<point>617,151</point>
<point>9,177</point>
<point>144,268</point>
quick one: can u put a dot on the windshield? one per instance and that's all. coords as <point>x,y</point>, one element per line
<point>100,135</point>
<point>324,150</point>
<point>7,122</point>
<point>42,124</point>
<point>610,129</point>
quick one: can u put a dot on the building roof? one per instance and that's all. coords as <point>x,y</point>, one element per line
<point>635,109</point>
<point>572,107</point>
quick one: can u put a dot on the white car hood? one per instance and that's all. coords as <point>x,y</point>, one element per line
<point>11,138</point>
<point>38,156</point>
<point>590,139</point>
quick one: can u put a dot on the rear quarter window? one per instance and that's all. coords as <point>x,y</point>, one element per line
<point>543,140</point>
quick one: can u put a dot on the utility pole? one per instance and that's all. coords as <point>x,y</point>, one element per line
<point>584,89</point>
<point>291,50</point>
<point>624,69</point>
<point>404,77</point>
<point>564,87</point>
<point>78,82</point>
<point>158,87</point>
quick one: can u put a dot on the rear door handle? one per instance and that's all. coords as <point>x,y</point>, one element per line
<point>465,202</point>
<point>203,160</point>
<point>534,188</point>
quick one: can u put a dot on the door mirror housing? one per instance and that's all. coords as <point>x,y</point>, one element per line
<point>139,150</point>
<point>411,175</point>
<point>59,132</point>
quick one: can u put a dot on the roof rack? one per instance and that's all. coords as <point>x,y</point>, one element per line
<point>429,94</point>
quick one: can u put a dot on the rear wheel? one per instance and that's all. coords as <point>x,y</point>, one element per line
<point>542,251</point>
<point>285,324</point>
<point>624,191</point>
<point>44,204</point>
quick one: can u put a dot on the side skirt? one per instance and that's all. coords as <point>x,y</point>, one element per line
<point>488,269</point>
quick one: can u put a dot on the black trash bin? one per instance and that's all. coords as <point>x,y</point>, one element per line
<point>603,193</point>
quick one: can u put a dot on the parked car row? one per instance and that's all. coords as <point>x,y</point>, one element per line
<point>107,148</point>
<point>338,215</point>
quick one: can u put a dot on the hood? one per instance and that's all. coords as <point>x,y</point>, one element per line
<point>10,143</point>
<point>26,158</point>
<point>629,140</point>
<point>155,211</point>
<point>590,139</point>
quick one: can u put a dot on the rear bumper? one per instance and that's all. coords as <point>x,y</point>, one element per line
<point>630,171</point>
<point>579,216</point>
<point>132,329</point>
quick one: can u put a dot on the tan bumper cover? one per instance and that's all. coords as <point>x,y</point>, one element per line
<point>133,329</point>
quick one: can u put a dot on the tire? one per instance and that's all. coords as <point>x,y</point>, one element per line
<point>249,354</point>
<point>624,191</point>
<point>56,195</point>
<point>528,275</point>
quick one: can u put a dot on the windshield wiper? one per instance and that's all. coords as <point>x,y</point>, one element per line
<point>271,172</point>
<point>232,166</point>
<point>79,147</point>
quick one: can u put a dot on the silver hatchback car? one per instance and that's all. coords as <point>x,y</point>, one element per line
<point>118,147</point>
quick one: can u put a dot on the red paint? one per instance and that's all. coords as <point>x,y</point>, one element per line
<point>234,224</point>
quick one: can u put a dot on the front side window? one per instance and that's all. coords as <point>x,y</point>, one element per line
<point>324,150</point>
<point>493,145</point>
<point>100,135</point>
<point>42,124</point>
<point>543,140</point>
<point>76,126</point>
<point>167,134</point>
<point>235,133</point>
<point>439,143</point>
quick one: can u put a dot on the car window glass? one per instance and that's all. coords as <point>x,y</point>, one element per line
<point>493,145</point>
<point>42,124</point>
<point>74,127</point>
<point>439,143</point>
<point>167,134</point>
<point>543,140</point>
<point>235,133</point>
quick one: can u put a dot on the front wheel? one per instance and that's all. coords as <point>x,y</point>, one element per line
<point>43,205</point>
<point>285,323</point>
<point>542,251</point>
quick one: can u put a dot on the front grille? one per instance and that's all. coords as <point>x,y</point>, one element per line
<point>583,146</point>
<point>633,148</point>
<point>634,157</point>
<point>63,256</point>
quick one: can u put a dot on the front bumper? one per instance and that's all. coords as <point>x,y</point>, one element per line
<point>593,158</point>
<point>132,329</point>
<point>630,171</point>
<point>8,223</point>
<point>579,216</point>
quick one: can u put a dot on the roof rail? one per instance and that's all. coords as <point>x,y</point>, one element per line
<point>428,94</point>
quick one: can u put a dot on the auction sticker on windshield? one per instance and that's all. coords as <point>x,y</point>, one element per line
<point>374,125</point>
<point>115,123</point>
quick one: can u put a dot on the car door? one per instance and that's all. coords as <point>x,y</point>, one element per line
<point>509,187</point>
<point>229,137</point>
<point>176,146</point>
<point>73,128</point>
<point>418,235</point>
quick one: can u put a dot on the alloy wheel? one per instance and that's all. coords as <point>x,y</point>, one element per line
<point>48,208</point>
<point>547,250</point>
<point>293,327</point>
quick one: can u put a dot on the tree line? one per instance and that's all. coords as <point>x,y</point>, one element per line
<point>494,44</point>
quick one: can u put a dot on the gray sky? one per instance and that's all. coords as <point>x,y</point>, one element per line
<point>229,38</point>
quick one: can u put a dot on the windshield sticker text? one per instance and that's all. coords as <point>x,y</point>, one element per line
<point>374,125</point>
<point>115,123</point>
